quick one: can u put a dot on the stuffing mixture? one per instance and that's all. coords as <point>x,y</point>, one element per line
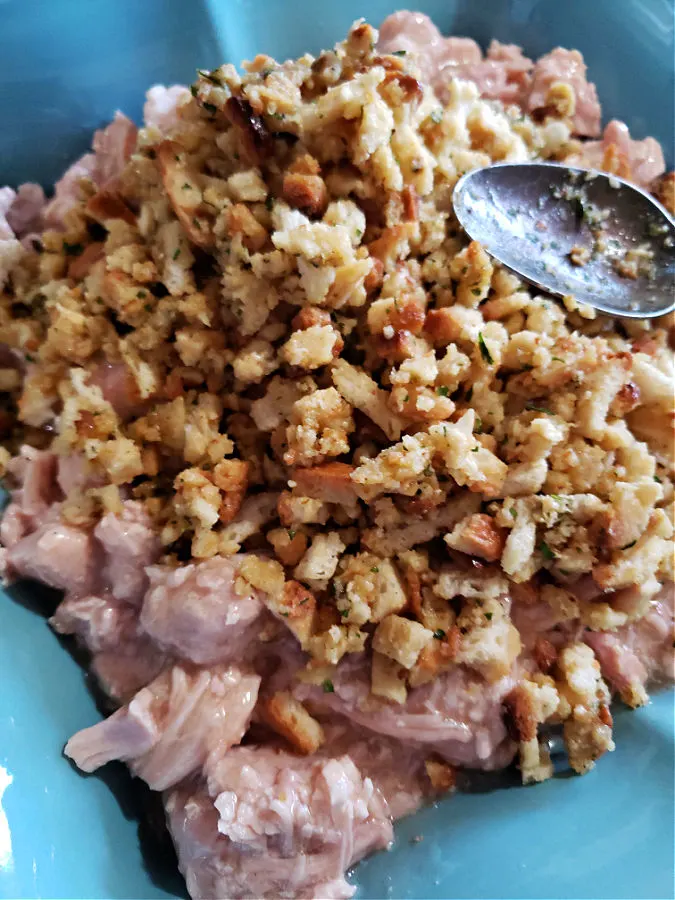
<point>338,505</point>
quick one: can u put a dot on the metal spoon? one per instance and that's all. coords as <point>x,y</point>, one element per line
<point>537,218</point>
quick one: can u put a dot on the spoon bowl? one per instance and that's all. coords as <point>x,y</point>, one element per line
<point>574,231</point>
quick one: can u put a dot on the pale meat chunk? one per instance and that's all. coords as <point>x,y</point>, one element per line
<point>119,388</point>
<point>395,768</point>
<point>504,74</point>
<point>299,822</point>
<point>13,527</point>
<point>7,197</point>
<point>347,795</point>
<point>415,33</point>
<point>124,660</point>
<point>73,472</point>
<point>302,822</point>
<point>122,672</point>
<point>161,106</point>
<point>214,867</point>
<point>130,544</point>
<point>170,727</point>
<point>58,555</point>
<point>25,214</point>
<point>99,621</point>
<point>67,190</point>
<point>640,161</point>
<point>112,146</point>
<point>562,66</point>
<point>35,472</point>
<point>620,667</point>
<point>195,611</point>
<point>651,640</point>
<point>458,714</point>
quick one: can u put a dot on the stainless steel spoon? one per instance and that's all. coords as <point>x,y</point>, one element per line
<point>576,232</point>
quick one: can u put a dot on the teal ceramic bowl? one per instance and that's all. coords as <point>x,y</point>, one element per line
<point>65,66</point>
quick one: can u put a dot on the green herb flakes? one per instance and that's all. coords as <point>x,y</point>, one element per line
<point>209,76</point>
<point>542,409</point>
<point>484,351</point>
<point>546,551</point>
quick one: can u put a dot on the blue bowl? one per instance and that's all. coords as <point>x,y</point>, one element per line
<point>65,68</point>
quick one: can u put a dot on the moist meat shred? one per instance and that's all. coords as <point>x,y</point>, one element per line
<point>337,504</point>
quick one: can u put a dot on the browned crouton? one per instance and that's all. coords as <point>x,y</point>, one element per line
<point>105,205</point>
<point>231,477</point>
<point>478,535</point>
<point>391,243</point>
<point>255,138</point>
<point>289,718</point>
<point>240,220</point>
<point>305,192</point>
<point>441,327</point>
<point>411,203</point>
<point>305,164</point>
<point>438,656</point>
<point>330,482</point>
<point>545,654</point>
<point>80,266</point>
<point>442,775</point>
<point>175,176</point>
<point>309,316</point>
<point>373,280</point>
<point>519,716</point>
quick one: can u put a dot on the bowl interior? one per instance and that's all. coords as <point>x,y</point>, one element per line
<point>66,67</point>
